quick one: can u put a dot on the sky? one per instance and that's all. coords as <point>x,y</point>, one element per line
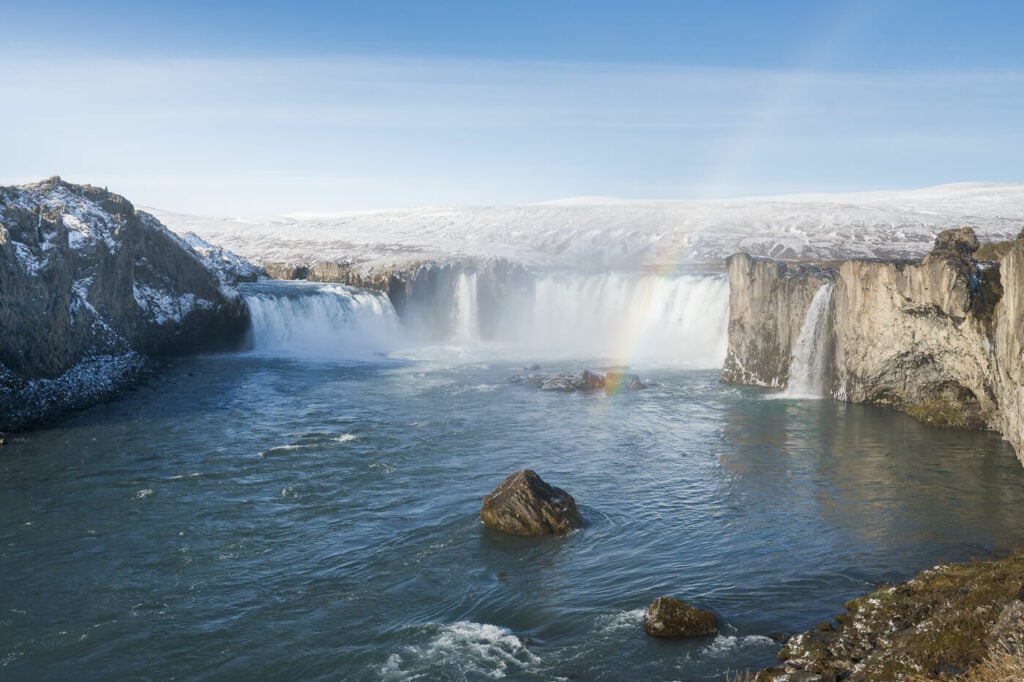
<point>260,108</point>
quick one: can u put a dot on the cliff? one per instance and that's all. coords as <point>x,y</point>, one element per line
<point>767,303</point>
<point>89,287</point>
<point>939,338</point>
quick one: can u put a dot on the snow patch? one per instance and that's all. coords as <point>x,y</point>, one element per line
<point>162,307</point>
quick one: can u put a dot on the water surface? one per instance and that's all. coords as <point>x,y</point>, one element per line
<point>281,517</point>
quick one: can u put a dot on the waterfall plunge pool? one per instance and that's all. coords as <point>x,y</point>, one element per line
<point>309,509</point>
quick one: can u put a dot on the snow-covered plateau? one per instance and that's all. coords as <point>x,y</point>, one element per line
<point>595,232</point>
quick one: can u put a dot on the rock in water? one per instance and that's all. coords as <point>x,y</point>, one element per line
<point>668,617</point>
<point>567,383</point>
<point>617,381</point>
<point>523,504</point>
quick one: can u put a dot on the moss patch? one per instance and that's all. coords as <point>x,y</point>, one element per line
<point>935,626</point>
<point>944,414</point>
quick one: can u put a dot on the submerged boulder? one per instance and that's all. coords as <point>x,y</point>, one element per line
<point>523,504</point>
<point>668,617</point>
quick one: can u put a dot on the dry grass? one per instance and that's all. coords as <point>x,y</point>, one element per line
<point>999,666</point>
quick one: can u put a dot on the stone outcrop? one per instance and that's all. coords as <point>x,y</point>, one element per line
<point>88,288</point>
<point>620,381</point>
<point>563,382</point>
<point>944,622</point>
<point>523,504</point>
<point>668,617</point>
<point>939,338</point>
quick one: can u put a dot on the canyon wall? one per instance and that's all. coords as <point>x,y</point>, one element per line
<point>89,288</point>
<point>939,338</point>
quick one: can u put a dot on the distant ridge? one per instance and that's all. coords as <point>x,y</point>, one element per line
<point>608,232</point>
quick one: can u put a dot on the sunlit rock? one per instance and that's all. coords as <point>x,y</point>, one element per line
<point>523,504</point>
<point>668,617</point>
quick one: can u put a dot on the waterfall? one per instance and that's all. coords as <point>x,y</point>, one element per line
<point>332,322</point>
<point>617,318</point>
<point>467,326</point>
<point>679,320</point>
<point>807,365</point>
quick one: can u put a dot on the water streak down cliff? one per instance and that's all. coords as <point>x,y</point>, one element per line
<point>939,338</point>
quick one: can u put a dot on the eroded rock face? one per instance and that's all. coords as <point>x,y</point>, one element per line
<point>523,504</point>
<point>939,339</point>
<point>88,286</point>
<point>668,617</point>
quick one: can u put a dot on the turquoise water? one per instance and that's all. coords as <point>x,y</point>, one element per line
<point>253,515</point>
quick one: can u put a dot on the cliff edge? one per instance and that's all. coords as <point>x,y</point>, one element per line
<point>938,338</point>
<point>89,287</point>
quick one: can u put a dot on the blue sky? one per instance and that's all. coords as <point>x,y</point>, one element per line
<point>273,107</point>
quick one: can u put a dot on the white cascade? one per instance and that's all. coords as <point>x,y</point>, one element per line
<point>467,326</point>
<point>807,364</point>
<point>332,322</point>
<point>679,320</point>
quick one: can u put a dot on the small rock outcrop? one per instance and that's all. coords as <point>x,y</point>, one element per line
<point>668,617</point>
<point>523,504</point>
<point>563,382</point>
<point>619,381</point>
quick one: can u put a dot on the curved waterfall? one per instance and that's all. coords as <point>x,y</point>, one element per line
<point>679,320</point>
<point>321,321</point>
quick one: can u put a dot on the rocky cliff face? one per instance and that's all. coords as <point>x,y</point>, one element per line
<point>88,287</point>
<point>938,338</point>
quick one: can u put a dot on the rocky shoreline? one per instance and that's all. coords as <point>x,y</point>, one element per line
<point>953,621</point>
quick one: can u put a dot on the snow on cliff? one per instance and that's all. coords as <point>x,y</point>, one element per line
<point>599,232</point>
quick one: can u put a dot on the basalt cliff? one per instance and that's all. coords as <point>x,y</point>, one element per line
<point>90,288</point>
<point>939,338</point>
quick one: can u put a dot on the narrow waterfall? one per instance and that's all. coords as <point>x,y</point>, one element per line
<point>467,325</point>
<point>807,365</point>
<point>332,322</point>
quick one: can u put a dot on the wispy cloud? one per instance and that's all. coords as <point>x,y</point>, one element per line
<point>248,136</point>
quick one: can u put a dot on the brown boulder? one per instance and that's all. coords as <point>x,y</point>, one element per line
<point>523,504</point>
<point>668,617</point>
